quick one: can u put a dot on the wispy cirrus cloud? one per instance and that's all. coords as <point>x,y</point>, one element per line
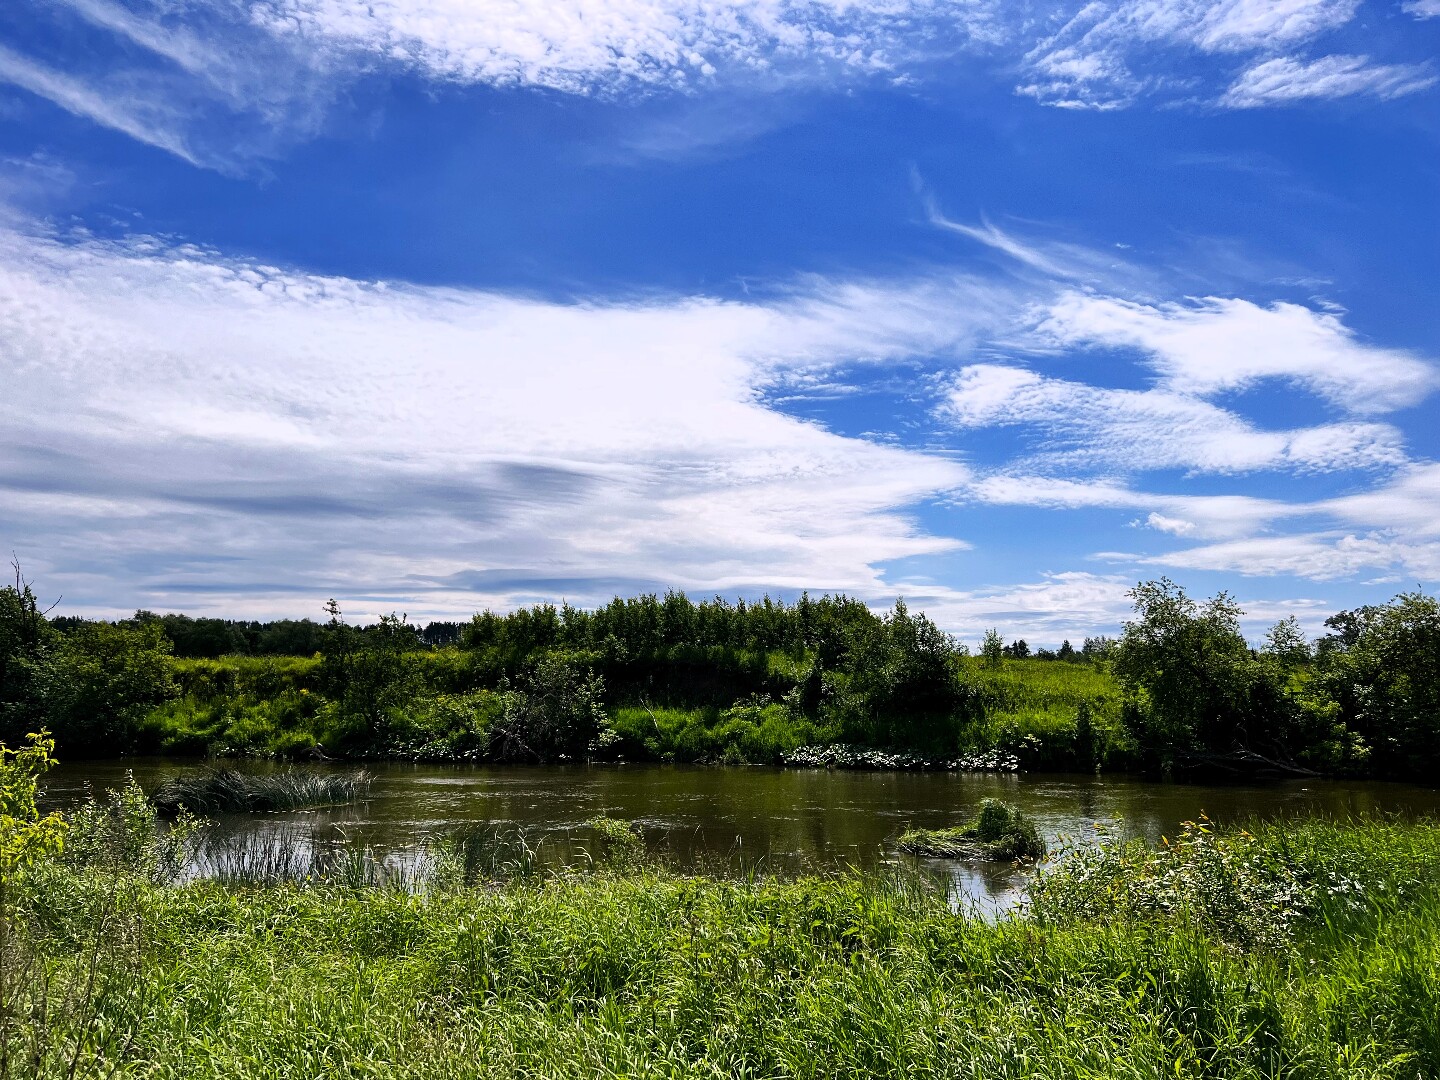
<point>1110,55</point>
<point>216,434</point>
<point>179,45</point>
<point>197,81</point>
<point>1284,80</point>
<point>1086,446</point>
<point>142,115</point>
<point>1076,604</point>
<point>188,423</point>
<point>223,84</point>
<point>1322,556</point>
<point>1082,426</point>
<point>1202,516</point>
<point>1392,528</point>
<point>597,45</point>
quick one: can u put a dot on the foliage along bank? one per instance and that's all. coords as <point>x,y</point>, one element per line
<point>677,680</point>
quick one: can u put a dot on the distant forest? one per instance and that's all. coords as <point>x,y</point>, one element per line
<point>718,622</point>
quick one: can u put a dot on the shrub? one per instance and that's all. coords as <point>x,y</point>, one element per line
<point>557,712</point>
<point>618,843</point>
<point>122,832</point>
<point>1193,683</point>
<point>99,681</point>
<point>1380,677</point>
<point>1247,891</point>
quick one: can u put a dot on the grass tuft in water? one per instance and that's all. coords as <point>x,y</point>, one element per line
<point>230,791</point>
<point>1000,832</point>
<point>481,854</point>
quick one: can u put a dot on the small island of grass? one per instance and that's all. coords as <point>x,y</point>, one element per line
<point>999,833</point>
<point>230,791</point>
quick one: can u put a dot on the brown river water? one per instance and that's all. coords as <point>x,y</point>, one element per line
<point>734,816</point>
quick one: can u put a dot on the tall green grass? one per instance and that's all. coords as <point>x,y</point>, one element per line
<point>630,970</point>
<point>1034,708</point>
<point>749,733</point>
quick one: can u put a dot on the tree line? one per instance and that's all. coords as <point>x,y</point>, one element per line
<point>546,682</point>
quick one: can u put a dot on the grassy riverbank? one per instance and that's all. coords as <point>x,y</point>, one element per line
<point>277,706</point>
<point>1308,951</point>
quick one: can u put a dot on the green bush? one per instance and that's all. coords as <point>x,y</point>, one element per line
<point>1376,694</point>
<point>557,712</point>
<point>1256,887</point>
<point>122,833</point>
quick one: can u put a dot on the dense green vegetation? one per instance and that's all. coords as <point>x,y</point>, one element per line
<point>668,678</point>
<point>1304,950</point>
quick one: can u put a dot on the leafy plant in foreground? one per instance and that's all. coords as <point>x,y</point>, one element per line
<point>25,835</point>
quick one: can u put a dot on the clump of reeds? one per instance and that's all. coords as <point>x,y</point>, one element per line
<point>230,791</point>
<point>475,854</point>
<point>1000,832</point>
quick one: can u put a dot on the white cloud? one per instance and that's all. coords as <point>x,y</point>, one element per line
<point>1074,605</point>
<point>217,434</point>
<point>1070,605</point>
<point>1136,430</point>
<point>1000,241</point>
<point>1393,528</point>
<point>1177,526</point>
<point>177,45</point>
<point>1054,260</point>
<point>142,117</point>
<point>1315,556</point>
<point>224,83</point>
<point>1220,345</point>
<point>1422,9</point>
<point>1107,55</point>
<point>1284,80</point>
<point>1409,504</point>
<point>584,45</point>
<point>1268,24</point>
<point>1201,516</point>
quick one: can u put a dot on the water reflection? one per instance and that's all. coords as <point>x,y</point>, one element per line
<point>782,820</point>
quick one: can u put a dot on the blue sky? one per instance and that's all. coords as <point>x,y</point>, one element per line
<point>433,305</point>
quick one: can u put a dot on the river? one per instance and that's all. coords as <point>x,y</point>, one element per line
<point>785,818</point>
